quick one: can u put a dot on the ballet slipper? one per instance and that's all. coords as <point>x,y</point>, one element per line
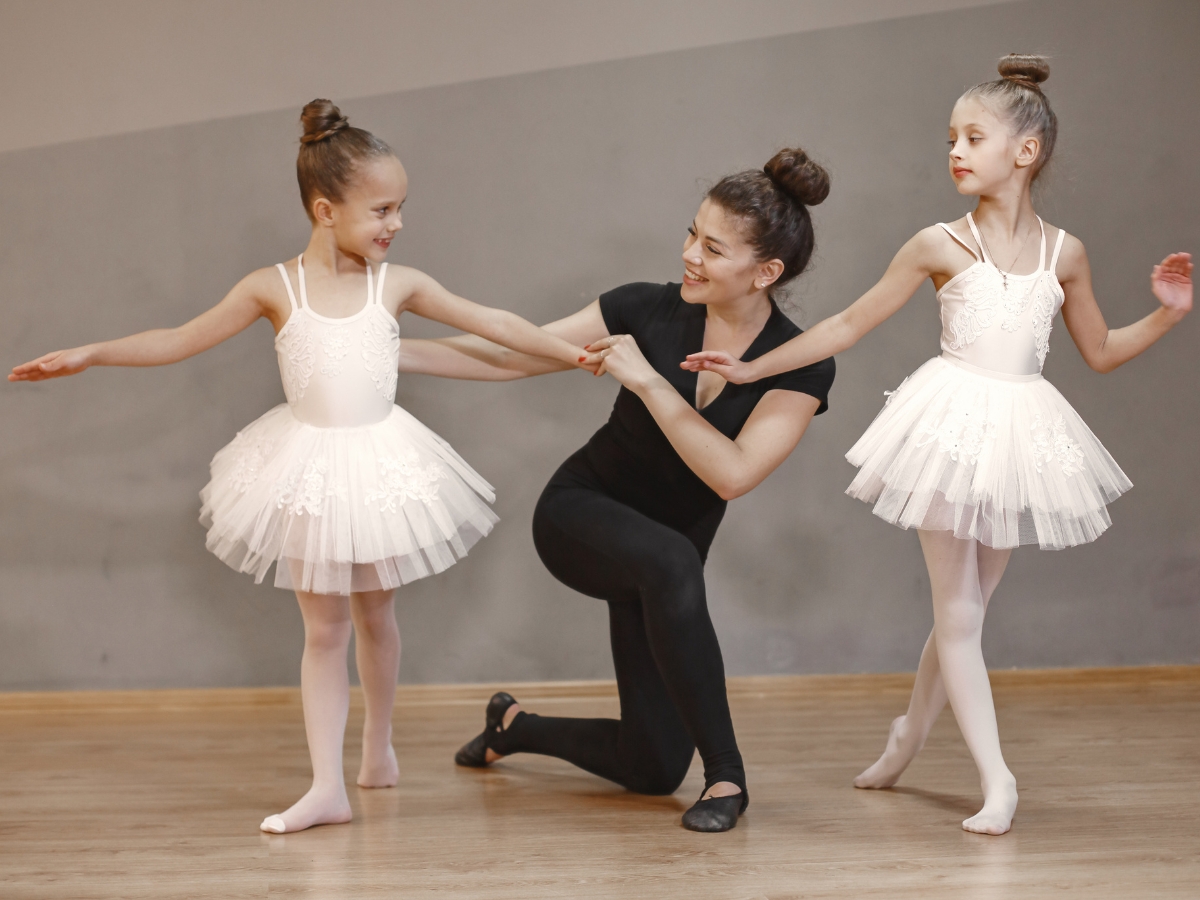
<point>477,753</point>
<point>716,814</point>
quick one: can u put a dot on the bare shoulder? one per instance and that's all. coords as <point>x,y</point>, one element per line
<point>402,282</point>
<point>936,252</point>
<point>266,286</point>
<point>932,239</point>
<point>1072,259</point>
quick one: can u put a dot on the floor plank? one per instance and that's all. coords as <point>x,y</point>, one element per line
<point>158,794</point>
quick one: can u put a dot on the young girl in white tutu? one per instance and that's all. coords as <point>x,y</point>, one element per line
<point>975,449</point>
<point>345,493</point>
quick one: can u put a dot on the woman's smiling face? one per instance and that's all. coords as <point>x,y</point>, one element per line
<point>718,264</point>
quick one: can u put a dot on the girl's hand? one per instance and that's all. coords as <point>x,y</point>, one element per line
<point>732,370</point>
<point>53,365</point>
<point>1171,281</point>
<point>620,356</point>
<point>591,361</point>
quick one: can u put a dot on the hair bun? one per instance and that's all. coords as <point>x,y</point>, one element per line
<point>321,119</point>
<point>798,176</point>
<point>1023,69</point>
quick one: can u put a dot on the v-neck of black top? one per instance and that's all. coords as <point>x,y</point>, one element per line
<point>695,343</point>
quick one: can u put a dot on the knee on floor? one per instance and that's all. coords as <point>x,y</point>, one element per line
<point>659,778</point>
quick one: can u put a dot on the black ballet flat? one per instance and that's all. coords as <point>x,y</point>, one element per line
<point>473,753</point>
<point>716,813</point>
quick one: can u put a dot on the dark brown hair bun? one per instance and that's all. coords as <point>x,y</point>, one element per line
<point>321,119</point>
<point>1021,68</point>
<point>331,151</point>
<point>772,204</point>
<point>799,177</point>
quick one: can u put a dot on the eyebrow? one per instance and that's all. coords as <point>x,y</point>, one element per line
<point>715,240</point>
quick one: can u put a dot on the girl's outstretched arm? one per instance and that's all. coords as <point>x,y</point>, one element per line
<point>252,298</point>
<point>915,262</point>
<point>1102,348</point>
<point>472,357</point>
<point>425,297</point>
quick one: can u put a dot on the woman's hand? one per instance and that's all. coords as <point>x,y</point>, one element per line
<point>1171,281</point>
<point>620,356</point>
<point>728,367</point>
<point>53,365</point>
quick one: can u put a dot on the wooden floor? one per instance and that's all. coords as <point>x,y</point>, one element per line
<point>159,795</point>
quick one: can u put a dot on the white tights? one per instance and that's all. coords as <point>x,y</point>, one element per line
<point>963,574</point>
<point>325,689</point>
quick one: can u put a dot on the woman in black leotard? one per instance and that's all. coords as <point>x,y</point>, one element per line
<point>630,517</point>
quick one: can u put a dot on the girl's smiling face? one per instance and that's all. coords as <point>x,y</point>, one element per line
<point>366,220</point>
<point>718,264</point>
<point>984,153</point>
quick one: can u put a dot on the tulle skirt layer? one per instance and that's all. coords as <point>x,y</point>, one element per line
<point>1006,462</point>
<point>340,510</point>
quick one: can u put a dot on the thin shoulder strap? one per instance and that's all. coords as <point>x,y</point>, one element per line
<point>1057,249</point>
<point>1042,252</point>
<point>978,239</point>
<point>370,286</point>
<point>300,278</point>
<point>965,245</point>
<point>379,284</point>
<point>287,283</point>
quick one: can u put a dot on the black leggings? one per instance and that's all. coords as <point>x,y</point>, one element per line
<point>670,676</point>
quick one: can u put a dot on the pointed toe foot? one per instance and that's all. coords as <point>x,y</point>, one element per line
<point>273,825</point>
<point>473,754</point>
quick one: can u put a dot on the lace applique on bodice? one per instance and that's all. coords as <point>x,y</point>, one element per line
<point>989,326</point>
<point>339,373</point>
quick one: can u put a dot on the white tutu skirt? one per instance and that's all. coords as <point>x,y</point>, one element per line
<point>1002,459</point>
<point>340,510</point>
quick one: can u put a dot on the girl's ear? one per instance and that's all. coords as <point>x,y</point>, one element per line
<point>323,211</point>
<point>1031,147</point>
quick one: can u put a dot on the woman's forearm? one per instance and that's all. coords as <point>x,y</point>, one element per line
<point>1120,345</point>
<point>719,462</point>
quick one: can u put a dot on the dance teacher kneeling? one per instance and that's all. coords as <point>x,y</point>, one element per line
<point>629,518</point>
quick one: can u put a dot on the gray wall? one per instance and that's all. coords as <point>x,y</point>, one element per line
<point>536,192</point>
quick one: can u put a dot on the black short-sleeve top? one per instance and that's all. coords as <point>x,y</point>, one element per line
<point>630,455</point>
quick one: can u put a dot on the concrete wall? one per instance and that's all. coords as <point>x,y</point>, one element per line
<point>535,192</point>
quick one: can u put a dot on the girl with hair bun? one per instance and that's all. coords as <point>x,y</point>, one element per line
<point>345,493</point>
<point>629,518</point>
<point>975,449</point>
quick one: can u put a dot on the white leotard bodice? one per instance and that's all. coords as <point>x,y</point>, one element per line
<point>988,327</point>
<point>339,373</point>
